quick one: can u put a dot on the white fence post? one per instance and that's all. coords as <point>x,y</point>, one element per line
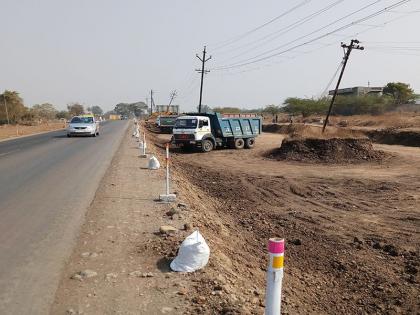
<point>168,197</point>
<point>144,155</point>
<point>274,276</point>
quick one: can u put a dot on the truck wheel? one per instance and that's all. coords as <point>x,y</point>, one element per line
<point>207,145</point>
<point>239,143</point>
<point>249,143</point>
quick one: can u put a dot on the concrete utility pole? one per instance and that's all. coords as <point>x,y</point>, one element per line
<point>347,49</point>
<point>151,102</point>
<point>5,106</point>
<point>172,97</point>
<point>202,71</point>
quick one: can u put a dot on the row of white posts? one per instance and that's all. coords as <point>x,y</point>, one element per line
<point>167,197</point>
<point>275,245</point>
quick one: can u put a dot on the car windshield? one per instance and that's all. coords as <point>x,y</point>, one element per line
<point>82,120</point>
<point>186,123</point>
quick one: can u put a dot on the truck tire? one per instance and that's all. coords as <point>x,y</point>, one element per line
<point>249,143</point>
<point>239,143</point>
<point>207,145</point>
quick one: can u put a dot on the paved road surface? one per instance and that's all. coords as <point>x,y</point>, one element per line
<point>46,184</point>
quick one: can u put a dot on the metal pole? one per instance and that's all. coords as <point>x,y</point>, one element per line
<point>5,106</point>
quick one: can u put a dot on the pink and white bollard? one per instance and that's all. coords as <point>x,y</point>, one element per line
<point>274,276</point>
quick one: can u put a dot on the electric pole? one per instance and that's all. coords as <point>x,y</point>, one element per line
<point>347,50</point>
<point>151,102</point>
<point>172,97</point>
<point>202,71</point>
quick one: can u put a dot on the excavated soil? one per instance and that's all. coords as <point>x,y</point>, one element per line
<point>334,150</point>
<point>407,137</point>
<point>352,233</point>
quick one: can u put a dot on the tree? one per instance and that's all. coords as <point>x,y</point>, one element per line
<point>96,110</point>
<point>272,109</point>
<point>401,92</point>
<point>129,109</point>
<point>305,106</point>
<point>75,109</point>
<point>205,109</point>
<point>232,110</point>
<point>12,108</point>
<point>63,114</point>
<point>44,111</point>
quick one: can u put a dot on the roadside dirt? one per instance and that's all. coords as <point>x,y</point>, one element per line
<point>352,230</point>
<point>116,266</point>
<point>334,150</point>
<point>11,131</point>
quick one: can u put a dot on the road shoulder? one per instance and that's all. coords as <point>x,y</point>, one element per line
<point>120,246</point>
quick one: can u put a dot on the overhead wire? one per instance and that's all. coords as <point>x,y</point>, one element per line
<point>315,31</point>
<point>251,60</point>
<point>239,37</point>
<point>269,37</point>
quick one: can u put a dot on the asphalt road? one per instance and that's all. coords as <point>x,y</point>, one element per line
<point>47,182</point>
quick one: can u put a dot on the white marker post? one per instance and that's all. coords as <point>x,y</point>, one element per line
<point>144,155</point>
<point>168,197</point>
<point>274,276</point>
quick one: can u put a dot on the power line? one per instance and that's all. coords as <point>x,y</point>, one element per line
<point>313,32</point>
<point>268,38</point>
<point>370,16</point>
<point>332,78</point>
<point>239,37</point>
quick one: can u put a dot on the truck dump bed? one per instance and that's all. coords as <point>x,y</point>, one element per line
<point>240,127</point>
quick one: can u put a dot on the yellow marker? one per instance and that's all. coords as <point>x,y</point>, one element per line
<point>278,262</point>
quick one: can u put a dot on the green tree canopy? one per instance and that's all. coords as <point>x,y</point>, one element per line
<point>96,110</point>
<point>401,92</point>
<point>75,109</point>
<point>11,107</point>
<point>44,111</point>
<point>63,114</point>
<point>129,109</point>
<point>232,110</point>
<point>272,109</point>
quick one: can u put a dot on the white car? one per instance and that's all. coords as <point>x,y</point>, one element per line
<point>84,125</point>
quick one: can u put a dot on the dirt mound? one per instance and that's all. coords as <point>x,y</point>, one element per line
<point>334,150</point>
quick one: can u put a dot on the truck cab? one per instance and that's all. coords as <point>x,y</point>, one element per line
<point>210,130</point>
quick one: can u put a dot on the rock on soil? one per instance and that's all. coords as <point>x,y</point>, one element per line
<point>334,150</point>
<point>167,229</point>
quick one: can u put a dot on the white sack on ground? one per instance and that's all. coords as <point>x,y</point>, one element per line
<point>154,163</point>
<point>193,254</point>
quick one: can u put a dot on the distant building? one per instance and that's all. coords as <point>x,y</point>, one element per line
<point>164,108</point>
<point>358,91</point>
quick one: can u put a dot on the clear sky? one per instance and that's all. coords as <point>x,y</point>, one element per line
<point>102,52</point>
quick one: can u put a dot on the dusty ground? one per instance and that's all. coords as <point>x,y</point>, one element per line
<point>10,131</point>
<point>120,242</point>
<point>352,232</point>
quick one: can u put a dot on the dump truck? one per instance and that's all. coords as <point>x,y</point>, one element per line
<point>166,123</point>
<point>207,131</point>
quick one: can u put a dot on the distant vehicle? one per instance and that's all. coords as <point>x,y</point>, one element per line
<point>210,130</point>
<point>83,125</point>
<point>166,123</point>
